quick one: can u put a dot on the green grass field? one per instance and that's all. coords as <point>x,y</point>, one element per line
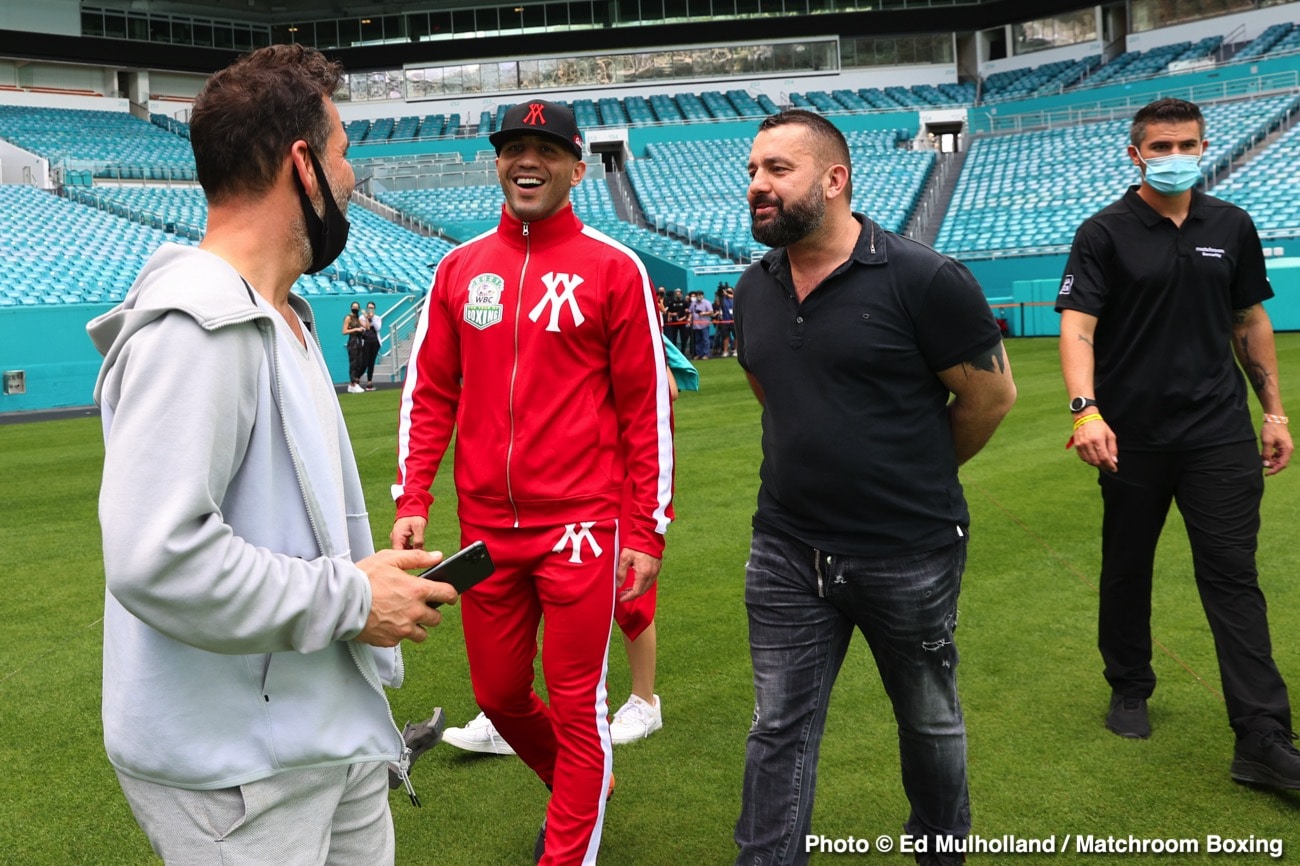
<point>1041,763</point>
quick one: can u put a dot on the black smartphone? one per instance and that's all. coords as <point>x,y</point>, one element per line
<point>463,569</point>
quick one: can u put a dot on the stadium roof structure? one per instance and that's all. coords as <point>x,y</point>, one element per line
<point>267,11</point>
<point>878,18</point>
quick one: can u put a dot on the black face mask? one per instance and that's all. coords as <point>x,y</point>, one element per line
<point>327,236</point>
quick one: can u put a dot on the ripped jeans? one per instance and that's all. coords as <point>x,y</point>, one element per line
<point>803,606</point>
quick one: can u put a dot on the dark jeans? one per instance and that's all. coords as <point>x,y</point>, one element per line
<point>701,349</point>
<point>803,607</point>
<point>1218,491</point>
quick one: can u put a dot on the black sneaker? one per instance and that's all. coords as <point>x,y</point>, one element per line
<point>1128,717</point>
<point>539,847</point>
<point>420,738</point>
<point>1267,758</point>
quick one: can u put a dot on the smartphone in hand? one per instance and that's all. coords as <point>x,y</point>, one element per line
<point>464,569</point>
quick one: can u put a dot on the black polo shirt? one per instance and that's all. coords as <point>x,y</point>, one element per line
<point>857,449</point>
<point>1164,296</point>
<point>676,307</point>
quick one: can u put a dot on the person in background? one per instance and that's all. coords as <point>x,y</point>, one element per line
<point>371,345</point>
<point>679,321</point>
<point>1161,311</point>
<point>249,626</point>
<point>880,371</point>
<point>355,330</point>
<point>726,307</point>
<point>701,312</point>
<point>715,332</point>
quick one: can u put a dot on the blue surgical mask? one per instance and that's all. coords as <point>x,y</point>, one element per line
<point>1173,174</point>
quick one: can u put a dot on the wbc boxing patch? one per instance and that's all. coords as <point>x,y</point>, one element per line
<point>483,306</point>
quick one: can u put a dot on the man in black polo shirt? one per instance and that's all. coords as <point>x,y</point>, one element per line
<point>880,370</point>
<point>1162,288</point>
<point>679,320</point>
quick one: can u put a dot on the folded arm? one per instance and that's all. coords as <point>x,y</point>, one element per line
<point>983,393</point>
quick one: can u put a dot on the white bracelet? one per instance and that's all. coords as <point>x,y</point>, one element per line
<point>1276,419</point>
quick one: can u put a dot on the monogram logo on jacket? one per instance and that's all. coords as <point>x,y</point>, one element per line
<point>559,299</point>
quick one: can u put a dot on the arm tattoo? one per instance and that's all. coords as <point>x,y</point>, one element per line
<point>1239,316</point>
<point>1255,371</point>
<point>1258,376</point>
<point>1082,339</point>
<point>992,361</point>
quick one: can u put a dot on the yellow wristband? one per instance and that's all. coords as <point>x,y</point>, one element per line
<point>1085,419</point>
<point>1276,419</point>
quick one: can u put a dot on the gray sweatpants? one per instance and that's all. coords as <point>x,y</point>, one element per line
<point>329,815</point>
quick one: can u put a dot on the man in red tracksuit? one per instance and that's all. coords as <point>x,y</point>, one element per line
<point>540,345</point>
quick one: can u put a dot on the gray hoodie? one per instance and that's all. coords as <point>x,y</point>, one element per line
<point>232,596</point>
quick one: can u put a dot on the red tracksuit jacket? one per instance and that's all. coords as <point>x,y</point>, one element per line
<point>540,344</point>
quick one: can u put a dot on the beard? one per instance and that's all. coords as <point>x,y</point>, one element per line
<point>790,224</point>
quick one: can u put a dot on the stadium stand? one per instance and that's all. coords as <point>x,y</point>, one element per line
<point>584,111</point>
<point>89,246</point>
<point>406,128</point>
<point>466,211</point>
<point>611,112</point>
<point>380,130</point>
<point>171,124</point>
<point>1265,186</point>
<point>1049,77</point>
<point>718,105</point>
<point>692,107</point>
<point>665,109</point>
<point>1267,41</point>
<point>60,252</point>
<point>1032,190</point>
<point>638,111</point>
<point>1288,43</point>
<point>695,190</point>
<point>380,255</point>
<point>111,144</point>
<point>745,105</point>
<point>431,127</point>
<point>356,130</point>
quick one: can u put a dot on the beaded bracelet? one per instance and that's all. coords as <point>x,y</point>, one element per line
<point>1276,419</point>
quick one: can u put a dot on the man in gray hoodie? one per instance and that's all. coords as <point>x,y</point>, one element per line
<point>249,626</point>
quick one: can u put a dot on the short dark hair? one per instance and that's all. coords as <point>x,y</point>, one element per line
<point>248,115</point>
<point>1167,110</point>
<point>832,146</point>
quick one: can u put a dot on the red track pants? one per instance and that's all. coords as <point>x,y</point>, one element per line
<point>566,575</point>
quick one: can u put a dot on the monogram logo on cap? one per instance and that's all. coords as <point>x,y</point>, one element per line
<point>534,115</point>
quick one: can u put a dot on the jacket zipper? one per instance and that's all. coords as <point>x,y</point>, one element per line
<point>514,374</point>
<point>404,761</point>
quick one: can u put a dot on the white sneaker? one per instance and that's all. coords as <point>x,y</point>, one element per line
<point>635,720</point>
<point>480,735</point>
<point>355,389</point>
